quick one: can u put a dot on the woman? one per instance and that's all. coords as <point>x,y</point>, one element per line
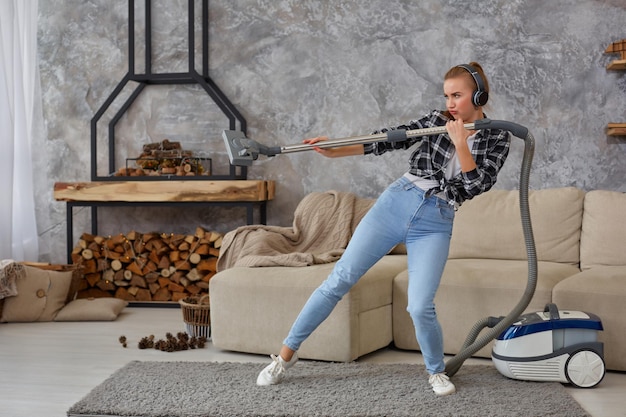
<point>417,210</point>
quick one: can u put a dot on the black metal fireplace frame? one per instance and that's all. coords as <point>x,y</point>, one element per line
<point>150,78</point>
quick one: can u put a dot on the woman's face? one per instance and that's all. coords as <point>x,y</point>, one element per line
<point>458,92</point>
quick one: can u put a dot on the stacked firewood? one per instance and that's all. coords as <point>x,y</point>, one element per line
<point>164,158</point>
<point>147,266</point>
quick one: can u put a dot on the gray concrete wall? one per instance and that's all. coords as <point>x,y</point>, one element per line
<point>297,69</point>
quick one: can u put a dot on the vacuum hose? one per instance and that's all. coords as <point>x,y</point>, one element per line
<point>498,325</point>
<point>242,151</point>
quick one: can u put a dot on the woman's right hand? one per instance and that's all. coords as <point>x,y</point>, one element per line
<point>334,152</point>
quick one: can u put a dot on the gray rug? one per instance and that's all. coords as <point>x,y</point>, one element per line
<point>183,389</point>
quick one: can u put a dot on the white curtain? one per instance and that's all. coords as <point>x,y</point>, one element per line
<point>18,77</point>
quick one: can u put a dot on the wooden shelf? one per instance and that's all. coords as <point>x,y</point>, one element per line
<point>166,191</point>
<point>618,64</point>
<point>616,129</point>
<point>618,47</point>
<point>249,194</point>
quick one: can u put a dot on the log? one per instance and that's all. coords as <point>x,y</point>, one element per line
<point>177,296</point>
<point>154,257</point>
<point>143,295</point>
<point>193,275</point>
<point>152,276</point>
<point>193,289</point>
<point>122,293</point>
<point>119,275</point>
<point>92,279</point>
<point>106,285</point>
<point>111,255</point>
<point>116,265</point>
<point>138,247</point>
<point>182,266</point>
<point>214,236</point>
<point>134,268</point>
<point>154,288</point>
<point>117,240</point>
<point>202,249</point>
<point>176,276</point>
<point>102,264</point>
<point>108,275</point>
<point>150,267</point>
<point>137,281</point>
<point>89,266</point>
<point>162,295</point>
<point>173,287</point>
<point>164,262</point>
<point>206,265</point>
<point>195,258</point>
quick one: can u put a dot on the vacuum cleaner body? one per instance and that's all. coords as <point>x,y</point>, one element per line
<point>552,345</point>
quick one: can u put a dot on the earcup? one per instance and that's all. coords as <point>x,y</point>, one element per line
<point>480,98</point>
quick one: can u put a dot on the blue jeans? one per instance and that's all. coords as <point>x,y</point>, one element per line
<point>402,214</point>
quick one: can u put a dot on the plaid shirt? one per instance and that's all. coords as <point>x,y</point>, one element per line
<point>429,160</point>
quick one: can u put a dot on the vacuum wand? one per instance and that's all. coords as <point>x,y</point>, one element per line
<point>242,151</point>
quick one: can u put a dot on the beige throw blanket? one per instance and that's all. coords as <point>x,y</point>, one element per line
<point>10,271</point>
<point>322,227</point>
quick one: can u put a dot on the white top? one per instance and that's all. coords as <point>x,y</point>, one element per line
<point>452,169</point>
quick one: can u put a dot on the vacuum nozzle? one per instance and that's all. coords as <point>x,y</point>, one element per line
<point>242,151</point>
<point>237,148</point>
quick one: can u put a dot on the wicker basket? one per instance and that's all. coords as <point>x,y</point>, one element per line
<point>197,316</point>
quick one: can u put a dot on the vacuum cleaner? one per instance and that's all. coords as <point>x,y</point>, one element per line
<point>513,347</point>
<point>552,345</point>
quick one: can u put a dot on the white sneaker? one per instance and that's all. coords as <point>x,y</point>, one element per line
<point>275,371</point>
<point>441,384</point>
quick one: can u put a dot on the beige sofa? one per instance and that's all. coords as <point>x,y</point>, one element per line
<point>581,251</point>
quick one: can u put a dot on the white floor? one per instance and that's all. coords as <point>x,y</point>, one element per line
<point>46,367</point>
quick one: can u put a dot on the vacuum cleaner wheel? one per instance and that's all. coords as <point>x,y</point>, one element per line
<point>585,368</point>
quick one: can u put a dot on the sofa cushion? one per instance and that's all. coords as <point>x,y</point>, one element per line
<point>602,291</point>
<point>92,309</point>
<point>603,230</point>
<point>489,226</point>
<point>252,310</point>
<point>40,296</point>
<point>472,289</point>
